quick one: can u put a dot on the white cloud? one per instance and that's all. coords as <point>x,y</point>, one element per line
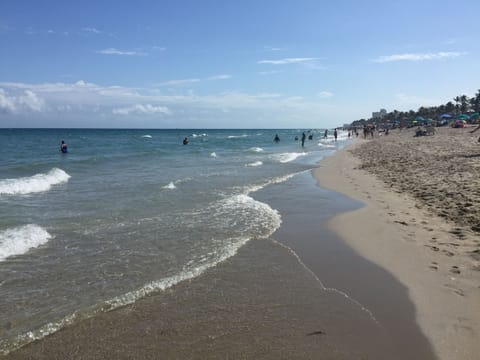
<point>220,77</point>
<point>179,82</point>
<point>416,100</point>
<point>81,100</point>
<point>287,61</point>
<point>272,48</point>
<point>7,104</point>
<point>31,101</point>
<point>28,101</point>
<point>418,57</point>
<point>325,94</point>
<point>91,30</point>
<point>141,109</point>
<point>271,72</point>
<point>113,51</point>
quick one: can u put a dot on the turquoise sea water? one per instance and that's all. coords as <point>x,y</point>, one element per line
<point>128,212</point>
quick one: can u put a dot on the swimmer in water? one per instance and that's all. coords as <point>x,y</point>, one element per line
<point>63,147</point>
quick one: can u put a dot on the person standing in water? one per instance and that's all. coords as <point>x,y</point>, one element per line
<point>185,141</point>
<point>325,134</point>
<point>335,134</point>
<point>63,147</point>
<point>303,139</point>
<point>276,138</point>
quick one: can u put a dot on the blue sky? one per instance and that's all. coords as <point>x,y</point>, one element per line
<point>231,64</point>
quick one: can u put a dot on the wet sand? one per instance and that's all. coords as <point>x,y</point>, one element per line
<point>422,205</point>
<point>266,302</point>
<point>268,309</point>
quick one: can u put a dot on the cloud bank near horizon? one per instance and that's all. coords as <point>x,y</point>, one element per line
<point>418,57</point>
<point>77,99</point>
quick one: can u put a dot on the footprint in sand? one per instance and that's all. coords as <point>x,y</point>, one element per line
<point>455,270</point>
<point>434,248</point>
<point>448,253</point>
<point>456,290</point>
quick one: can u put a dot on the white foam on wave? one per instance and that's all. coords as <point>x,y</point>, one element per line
<point>255,149</point>
<point>147,136</point>
<point>328,146</point>
<point>121,300</point>
<point>253,188</point>
<point>237,136</point>
<point>190,271</point>
<point>33,184</point>
<point>254,164</point>
<point>19,240</point>
<point>199,135</point>
<point>173,184</point>
<point>257,215</point>
<point>170,186</point>
<point>287,157</point>
<point>213,154</point>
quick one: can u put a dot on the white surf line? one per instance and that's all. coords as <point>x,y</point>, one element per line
<point>340,292</point>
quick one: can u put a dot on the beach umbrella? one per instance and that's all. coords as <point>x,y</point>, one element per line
<point>462,117</point>
<point>445,116</point>
<point>474,115</point>
<point>420,118</point>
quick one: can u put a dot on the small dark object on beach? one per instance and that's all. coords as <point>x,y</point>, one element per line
<point>319,332</point>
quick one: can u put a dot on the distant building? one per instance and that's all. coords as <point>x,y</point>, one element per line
<point>379,114</point>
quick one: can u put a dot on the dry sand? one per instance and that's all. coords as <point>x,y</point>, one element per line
<point>421,223</point>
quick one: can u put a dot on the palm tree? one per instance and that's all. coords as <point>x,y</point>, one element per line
<point>475,102</point>
<point>457,102</point>
<point>464,103</point>
<point>449,107</point>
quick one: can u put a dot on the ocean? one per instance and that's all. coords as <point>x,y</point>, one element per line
<point>129,212</point>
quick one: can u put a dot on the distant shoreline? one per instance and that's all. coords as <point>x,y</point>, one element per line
<point>399,229</point>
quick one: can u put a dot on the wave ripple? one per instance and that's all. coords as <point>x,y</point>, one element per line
<point>19,240</point>
<point>33,184</point>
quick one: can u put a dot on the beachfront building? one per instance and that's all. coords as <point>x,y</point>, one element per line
<point>379,114</point>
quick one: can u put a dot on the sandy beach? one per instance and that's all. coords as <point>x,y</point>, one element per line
<point>288,297</point>
<point>420,223</point>
<point>393,276</point>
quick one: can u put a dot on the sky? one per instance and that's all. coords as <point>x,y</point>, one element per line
<point>231,64</point>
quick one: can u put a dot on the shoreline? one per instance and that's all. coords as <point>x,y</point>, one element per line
<point>265,302</point>
<point>400,234</point>
<point>281,299</point>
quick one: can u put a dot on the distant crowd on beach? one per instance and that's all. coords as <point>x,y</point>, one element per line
<point>276,139</point>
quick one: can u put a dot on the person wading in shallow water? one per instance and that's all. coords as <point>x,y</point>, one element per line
<point>303,139</point>
<point>335,134</point>
<point>63,147</point>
